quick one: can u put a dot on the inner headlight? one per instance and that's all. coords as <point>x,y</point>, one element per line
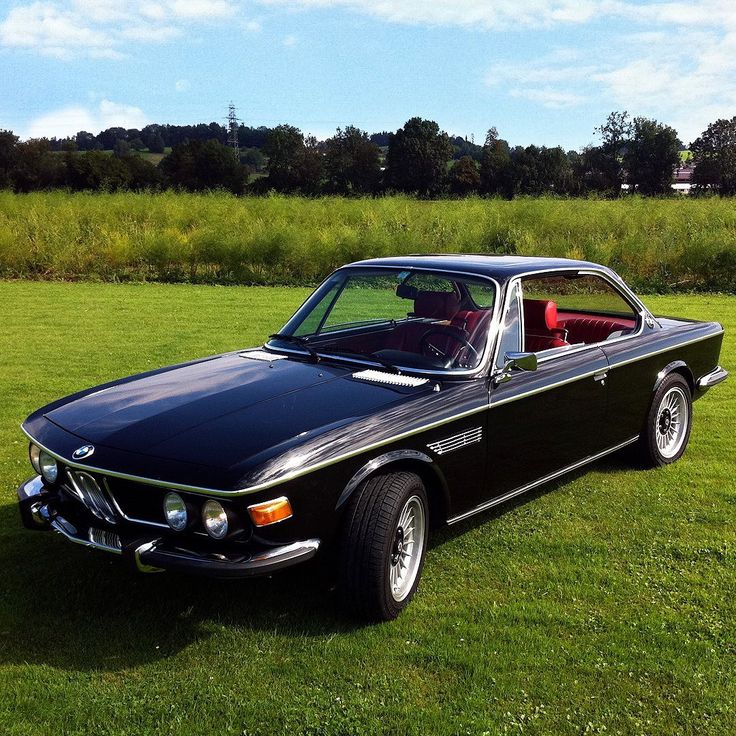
<point>175,511</point>
<point>48,466</point>
<point>214,518</point>
<point>33,452</point>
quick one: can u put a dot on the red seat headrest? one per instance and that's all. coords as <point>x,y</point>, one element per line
<point>540,314</point>
<point>437,304</point>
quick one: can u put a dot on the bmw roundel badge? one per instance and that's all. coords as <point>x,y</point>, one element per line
<point>83,452</point>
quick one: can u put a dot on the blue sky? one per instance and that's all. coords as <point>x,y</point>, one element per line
<point>541,71</point>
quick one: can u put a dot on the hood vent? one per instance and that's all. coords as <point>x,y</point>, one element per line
<point>261,355</point>
<point>392,379</point>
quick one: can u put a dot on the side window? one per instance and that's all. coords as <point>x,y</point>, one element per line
<point>510,326</point>
<point>573,309</point>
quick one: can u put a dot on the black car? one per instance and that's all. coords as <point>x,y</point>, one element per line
<point>404,394</point>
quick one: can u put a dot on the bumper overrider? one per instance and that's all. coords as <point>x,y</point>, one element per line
<point>150,552</point>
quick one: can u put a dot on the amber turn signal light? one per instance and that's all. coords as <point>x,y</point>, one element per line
<point>269,512</point>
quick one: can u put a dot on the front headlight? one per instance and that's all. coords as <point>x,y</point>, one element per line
<point>49,468</point>
<point>175,511</point>
<point>214,518</point>
<point>33,452</point>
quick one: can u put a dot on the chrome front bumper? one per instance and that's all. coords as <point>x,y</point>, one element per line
<point>154,554</point>
<point>716,376</point>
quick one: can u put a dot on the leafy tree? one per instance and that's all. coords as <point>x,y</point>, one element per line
<point>714,156</point>
<point>283,146</point>
<point>253,158</point>
<point>86,141</point>
<point>253,137</point>
<point>464,176</point>
<point>198,166</point>
<point>294,163</point>
<point>36,167</point>
<point>381,139</point>
<point>155,143</point>
<point>96,171</point>
<point>463,147</point>
<point>417,157</point>
<point>651,156</point>
<point>142,174</point>
<point>110,136</point>
<point>121,149</point>
<point>309,166</point>
<point>351,162</point>
<point>8,157</point>
<point>495,166</point>
<point>615,134</point>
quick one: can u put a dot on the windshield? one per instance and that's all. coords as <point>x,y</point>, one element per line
<point>421,320</point>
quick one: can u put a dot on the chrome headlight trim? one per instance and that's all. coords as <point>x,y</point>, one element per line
<point>49,467</point>
<point>34,452</point>
<point>214,519</point>
<point>175,511</point>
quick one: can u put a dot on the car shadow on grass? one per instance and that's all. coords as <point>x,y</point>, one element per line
<point>73,608</point>
<point>78,609</point>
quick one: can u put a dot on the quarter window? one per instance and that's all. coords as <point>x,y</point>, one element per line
<point>565,310</point>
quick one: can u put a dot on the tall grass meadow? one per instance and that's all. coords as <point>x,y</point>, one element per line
<point>655,244</point>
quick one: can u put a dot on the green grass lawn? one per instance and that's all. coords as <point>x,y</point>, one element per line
<point>605,603</point>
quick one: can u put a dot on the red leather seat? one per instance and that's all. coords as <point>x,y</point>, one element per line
<point>541,331</point>
<point>590,329</point>
<point>437,305</point>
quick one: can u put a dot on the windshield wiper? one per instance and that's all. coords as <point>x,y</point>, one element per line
<point>370,356</point>
<point>302,342</point>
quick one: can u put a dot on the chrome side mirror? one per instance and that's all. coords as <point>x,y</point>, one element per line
<point>516,361</point>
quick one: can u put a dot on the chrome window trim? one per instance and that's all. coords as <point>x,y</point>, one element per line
<point>492,329</point>
<point>616,283</point>
<point>367,448</point>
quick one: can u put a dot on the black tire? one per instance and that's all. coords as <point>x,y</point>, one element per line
<point>651,452</point>
<point>371,544</point>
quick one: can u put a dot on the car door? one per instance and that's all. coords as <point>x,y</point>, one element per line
<point>544,421</point>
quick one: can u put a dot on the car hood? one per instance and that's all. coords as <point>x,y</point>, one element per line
<point>227,412</point>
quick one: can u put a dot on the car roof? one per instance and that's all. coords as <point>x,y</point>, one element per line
<point>499,267</point>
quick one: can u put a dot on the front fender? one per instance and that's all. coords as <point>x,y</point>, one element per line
<point>394,457</point>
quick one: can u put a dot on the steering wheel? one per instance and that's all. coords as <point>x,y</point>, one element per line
<point>454,333</point>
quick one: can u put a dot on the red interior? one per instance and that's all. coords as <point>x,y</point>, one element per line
<point>546,327</point>
<point>541,327</point>
<point>589,328</point>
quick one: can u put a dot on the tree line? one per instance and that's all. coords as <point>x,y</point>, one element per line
<point>638,154</point>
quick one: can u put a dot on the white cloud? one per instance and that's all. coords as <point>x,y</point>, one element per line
<point>252,26</point>
<point>103,28</point>
<point>67,121</point>
<point>52,31</point>
<point>549,97</point>
<point>290,41</point>
<point>493,14</point>
<point>488,14</point>
<point>182,85</point>
<point>201,8</point>
<point>686,80</point>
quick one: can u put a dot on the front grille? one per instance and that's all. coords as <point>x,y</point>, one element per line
<point>105,540</point>
<point>87,490</point>
<point>138,502</point>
